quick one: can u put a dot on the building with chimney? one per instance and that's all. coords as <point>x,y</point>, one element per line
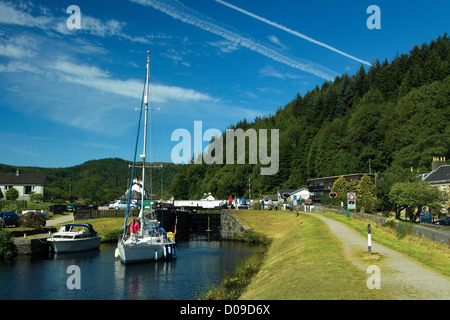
<point>25,182</point>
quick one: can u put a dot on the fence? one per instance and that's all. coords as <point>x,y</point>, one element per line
<point>97,214</point>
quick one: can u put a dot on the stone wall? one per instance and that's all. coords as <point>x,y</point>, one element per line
<point>231,227</point>
<point>27,246</point>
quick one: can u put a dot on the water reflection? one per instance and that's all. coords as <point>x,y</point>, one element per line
<point>199,264</point>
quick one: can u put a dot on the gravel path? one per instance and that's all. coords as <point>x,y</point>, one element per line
<point>402,278</point>
<point>63,219</point>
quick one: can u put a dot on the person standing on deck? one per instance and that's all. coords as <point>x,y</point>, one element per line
<point>134,229</point>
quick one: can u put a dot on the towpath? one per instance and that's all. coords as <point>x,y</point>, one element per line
<point>62,219</point>
<point>404,278</point>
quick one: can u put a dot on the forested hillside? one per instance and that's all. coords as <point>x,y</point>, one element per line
<point>394,114</point>
<point>98,181</point>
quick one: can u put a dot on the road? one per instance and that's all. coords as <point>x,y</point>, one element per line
<point>59,220</point>
<point>404,278</point>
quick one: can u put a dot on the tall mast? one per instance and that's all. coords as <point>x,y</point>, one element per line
<point>144,154</point>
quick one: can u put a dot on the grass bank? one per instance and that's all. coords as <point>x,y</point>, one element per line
<point>304,261</point>
<point>107,228</point>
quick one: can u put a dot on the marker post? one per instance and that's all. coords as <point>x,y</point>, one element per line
<point>369,240</point>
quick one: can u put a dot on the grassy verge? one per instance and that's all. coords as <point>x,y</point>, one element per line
<point>304,261</point>
<point>107,228</point>
<point>431,254</point>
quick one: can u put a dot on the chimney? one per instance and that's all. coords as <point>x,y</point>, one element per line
<point>437,162</point>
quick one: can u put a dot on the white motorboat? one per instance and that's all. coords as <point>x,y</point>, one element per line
<point>75,237</point>
<point>151,242</point>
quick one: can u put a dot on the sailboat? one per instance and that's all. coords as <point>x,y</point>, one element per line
<point>152,242</point>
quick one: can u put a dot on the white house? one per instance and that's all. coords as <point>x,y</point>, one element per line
<point>294,195</point>
<point>26,183</point>
<point>208,196</point>
<point>300,194</point>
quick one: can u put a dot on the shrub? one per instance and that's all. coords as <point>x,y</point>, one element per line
<point>112,235</point>
<point>32,220</point>
<point>402,229</point>
<point>8,248</point>
<point>390,222</point>
<point>12,194</point>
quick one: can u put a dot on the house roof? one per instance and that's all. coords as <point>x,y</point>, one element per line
<point>347,176</point>
<point>281,191</point>
<point>440,175</point>
<point>22,178</point>
<point>300,190</point>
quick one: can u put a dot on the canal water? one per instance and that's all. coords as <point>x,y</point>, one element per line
<point>199,265</point>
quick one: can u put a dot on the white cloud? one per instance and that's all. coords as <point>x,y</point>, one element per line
<point>19,14</point>
<point>178,11</point>
<point>225,46</point>
<point>274,39</point>
<point>93,77</point>
<point>269,71</point>
<point>293,32</point>
<point>10,14</point>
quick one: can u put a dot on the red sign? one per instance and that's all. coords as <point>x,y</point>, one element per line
<point>351,197</point>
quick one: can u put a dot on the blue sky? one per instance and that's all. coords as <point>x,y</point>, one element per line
<point>69,95</point>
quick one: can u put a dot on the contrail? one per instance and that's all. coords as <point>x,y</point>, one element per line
<point>293,32</point>
<point>178,11</point>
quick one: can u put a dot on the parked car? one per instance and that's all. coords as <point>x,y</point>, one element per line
<point>71,206</point>
<point>9,218</point>
<point>118,204</point>
<point>443,222</point>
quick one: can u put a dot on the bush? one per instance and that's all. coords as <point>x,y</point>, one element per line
<point>8,248</point>
<point>12,194</point>
<point>402,229</point>
<point>390,222</point>
<point>256,238</point>
<point>32,220</point>
<point>112,235</point>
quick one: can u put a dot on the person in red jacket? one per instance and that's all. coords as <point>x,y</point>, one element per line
<point>134,229</point>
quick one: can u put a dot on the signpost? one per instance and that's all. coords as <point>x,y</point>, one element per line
<point>425,215</point>
<point>351,202</point>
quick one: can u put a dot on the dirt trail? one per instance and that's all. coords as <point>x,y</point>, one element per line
<point>403,278</point>
<point>63,219</point>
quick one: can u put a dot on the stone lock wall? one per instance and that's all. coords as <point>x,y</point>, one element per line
<point>231,227</point>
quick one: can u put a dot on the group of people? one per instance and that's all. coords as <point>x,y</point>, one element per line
<point>236,201</point>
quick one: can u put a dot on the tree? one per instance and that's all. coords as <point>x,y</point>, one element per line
<point>12,194</point>
<point>90,188</point>
<point>366,192</point>
<point>384,183</point>
<point>413,196</point>
<point>340,186</point>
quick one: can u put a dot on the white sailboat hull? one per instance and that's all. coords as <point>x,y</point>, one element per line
<point>145,251</point>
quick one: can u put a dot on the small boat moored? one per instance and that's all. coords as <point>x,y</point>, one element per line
<point>75,237</point>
